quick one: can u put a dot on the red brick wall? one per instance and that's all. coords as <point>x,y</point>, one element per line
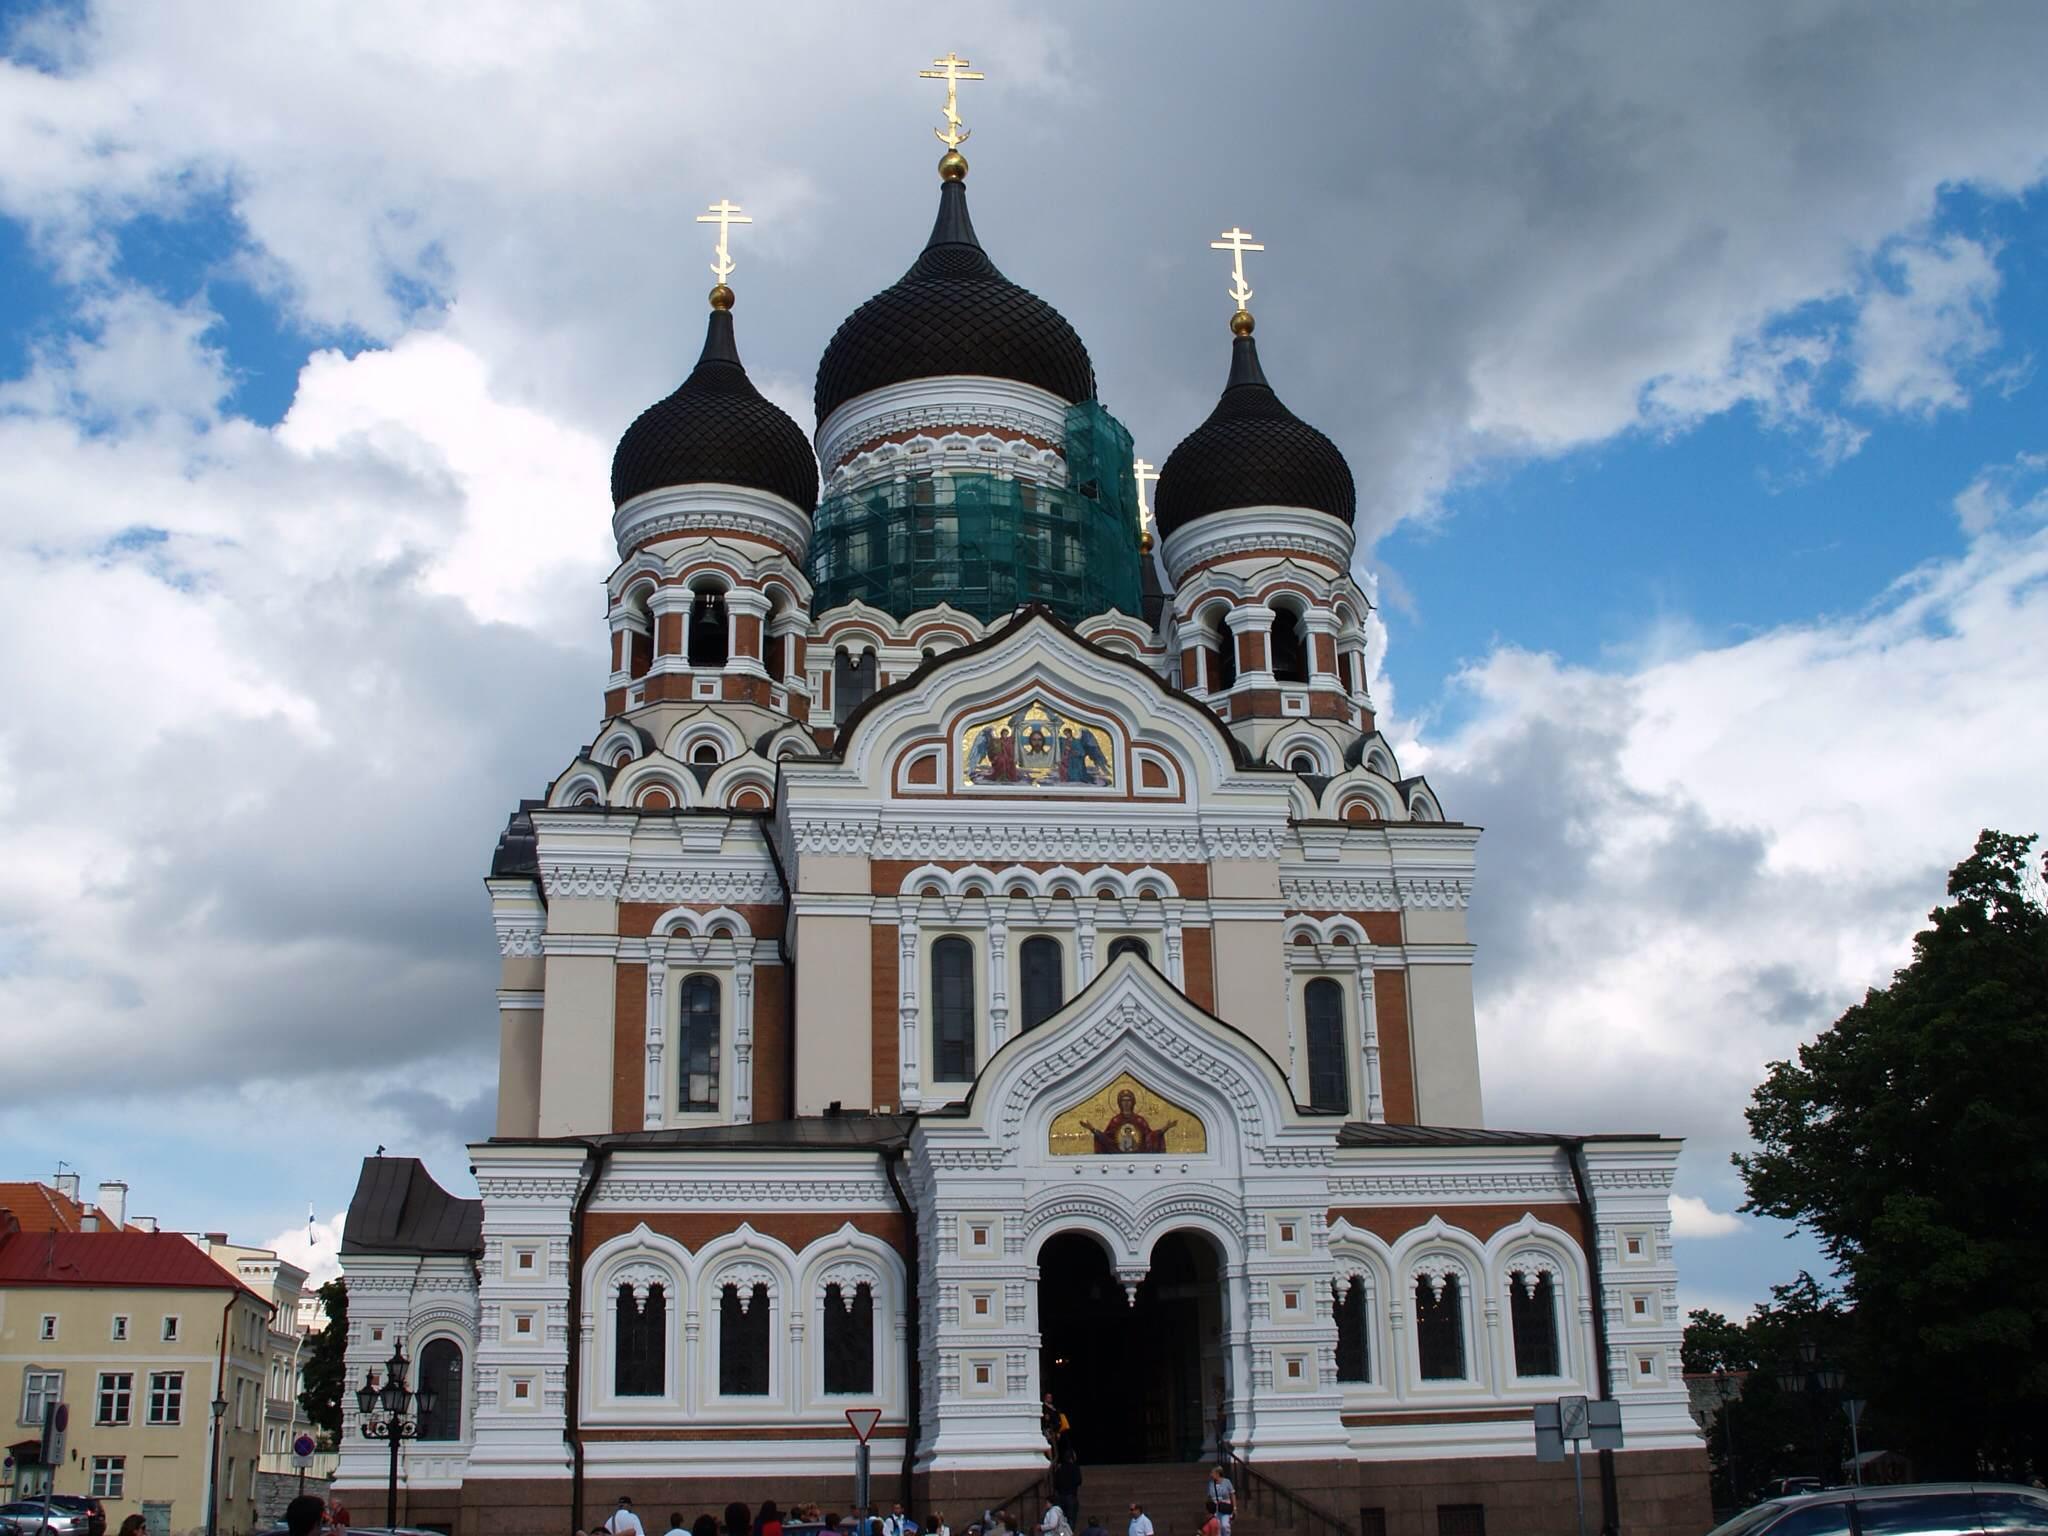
<point>883,1087</point>
<point>1397,1049</point>
<point>771,1043</point>
<point>629,1047</point>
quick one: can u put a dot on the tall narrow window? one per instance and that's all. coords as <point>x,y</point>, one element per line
<point>640,1369</point>
<point>708,644</point>
<point>1439,1329</point>
<point>441,1369</point>
<point>1290,650</point>
<point>1328,1071</point>
<point>952,1010</point>
<point>1130,946</point>
<point>1354,1354</point>
<point>849,1339</point>
<point>1044,987</point>
<point>697,1092</point>
<point>1532,1308</point>
<point>1222,656</point>
<point>743,1342</point>
<point>853,680</point>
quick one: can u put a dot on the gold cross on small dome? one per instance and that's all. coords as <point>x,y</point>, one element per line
<point>952,69</point>
<point>1142,471</point>
<point>1237,242</point>
<point>724,214</point>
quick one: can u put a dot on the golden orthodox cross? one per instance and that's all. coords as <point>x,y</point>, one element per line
<point>1143,472</point>
<point>724,214</point>
<point>1237,242</point>
<point>952,69</point>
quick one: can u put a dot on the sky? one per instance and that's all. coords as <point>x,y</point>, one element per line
<point>1688,359</point>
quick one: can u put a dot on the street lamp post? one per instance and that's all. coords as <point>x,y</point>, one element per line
<point>220,1408</point>
<point>1727,1387</point>
<point>1815,1380</point>
<point>387,1415</point>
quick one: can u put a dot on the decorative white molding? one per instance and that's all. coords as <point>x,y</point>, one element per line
<point>946,401</point>
<point>677,511</point>
<point>1249,530</point>
<point>600,882</point>
<point>1339,893</point>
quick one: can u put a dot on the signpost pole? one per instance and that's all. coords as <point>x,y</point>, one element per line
<point>1579,1481</point>
<point>863,1421</point>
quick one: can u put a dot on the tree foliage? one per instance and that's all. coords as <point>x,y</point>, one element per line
<point>1911,1139</point>
<point>326,1373</point>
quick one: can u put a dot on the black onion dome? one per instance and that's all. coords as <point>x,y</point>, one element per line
<point>716,428</point>
<point>953,313</point>
<point>1251,452</point>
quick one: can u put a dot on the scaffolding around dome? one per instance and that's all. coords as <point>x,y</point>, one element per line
<point>986,544</point>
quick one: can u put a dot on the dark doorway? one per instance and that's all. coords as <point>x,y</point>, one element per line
<point>1138,1382</point>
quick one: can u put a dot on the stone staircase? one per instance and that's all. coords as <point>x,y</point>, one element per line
<point>1171,1492</point>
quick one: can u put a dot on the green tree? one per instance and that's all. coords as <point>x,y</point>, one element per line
<point>326,1374</point>
<point>1911,1139</point>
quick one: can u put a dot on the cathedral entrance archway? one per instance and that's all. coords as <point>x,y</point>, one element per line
<point>1139,1380</point>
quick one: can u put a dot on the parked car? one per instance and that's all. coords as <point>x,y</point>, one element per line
<point>27,1515</point>
<point>1909,1509</point>
<point>86,1502</point>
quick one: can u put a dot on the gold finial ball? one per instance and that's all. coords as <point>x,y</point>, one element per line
<point>952,166</point>
<point>721,297</point>
<point>1241,323</point>
<point>1144,541</point>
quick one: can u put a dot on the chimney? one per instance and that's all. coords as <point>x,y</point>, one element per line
<point>217,1239</point>
<point>90,1221</point>
<point>67,1186</point>
<point>146,1223</point>
<point>114,1201</point>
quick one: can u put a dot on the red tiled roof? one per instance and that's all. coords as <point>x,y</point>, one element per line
<point>39,1208</point>
<point>111,1258</point>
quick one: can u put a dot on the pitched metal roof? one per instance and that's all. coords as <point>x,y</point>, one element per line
<point>1360,1133</point>
<point>812,1133</point>
<point>398,1208</point>
<point>39,1208</point>
<point>157,1259</point>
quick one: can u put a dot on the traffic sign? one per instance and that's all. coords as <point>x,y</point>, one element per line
<point>863,1421</point>
<point>56,1419</point>
<point>303,1448</point>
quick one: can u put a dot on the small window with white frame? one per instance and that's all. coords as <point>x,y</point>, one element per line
<point>46,1328</point>
<point>109,1475</point>
<point>39,1388</point>
<point>170,1331</point>
<point>119,1333</point>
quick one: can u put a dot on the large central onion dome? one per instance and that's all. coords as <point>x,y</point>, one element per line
<point>1251,452</point>
<point>953,313</point>
<point>716,429</point>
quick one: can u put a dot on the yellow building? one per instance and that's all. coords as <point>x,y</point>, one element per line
<point>292,1325</point>
<point>141,1334</point>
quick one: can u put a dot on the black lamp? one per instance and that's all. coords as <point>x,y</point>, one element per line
<point>366,1394</point>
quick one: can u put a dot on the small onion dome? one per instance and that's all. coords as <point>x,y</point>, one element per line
<point>953,313</point>
<point>716,428</point>
<point>1251,452</point>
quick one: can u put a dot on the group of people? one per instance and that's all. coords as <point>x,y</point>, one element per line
<point>769,1520</point>
<point>306,1515</point>
<point>1062,1512</point>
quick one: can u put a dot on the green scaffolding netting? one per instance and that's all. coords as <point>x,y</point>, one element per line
<point>987,544</point>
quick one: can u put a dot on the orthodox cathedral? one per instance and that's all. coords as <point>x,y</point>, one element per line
<point>987,950</point>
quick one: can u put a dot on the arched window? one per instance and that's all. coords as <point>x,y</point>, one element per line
<point>705,753</point>
<point>1043,982</point>
<point>708,642</point>
<point>1289,647</point>
<point>639,1368</point>
<point>1222,655</point>
<point>441,1368</point>
<point>743,1342</point>
<point>853,680</point>
<point>952,1010</point>
<point>1302,763</point>
<point>849,1339</point>
<point>1354,1353</point>
<point>1439,1328</point>
<point>1130,946</point>
<point>697,1047</point>
<point>1532,1308</point>
<point>1328,1071</point>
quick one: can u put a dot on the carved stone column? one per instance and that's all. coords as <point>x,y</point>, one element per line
<point>1253,619</point>
<point>743,1031</point>
<point>1176,910</point>
<point>656,1094</point>
<point>1369,1039</point>
<point>1084,939</point>
<point>998,972</point>
<point>909,1079</point>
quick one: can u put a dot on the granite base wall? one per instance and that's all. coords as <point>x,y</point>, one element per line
<point>1662,1493</point>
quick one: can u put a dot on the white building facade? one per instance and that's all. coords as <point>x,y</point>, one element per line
<point>980,954</point>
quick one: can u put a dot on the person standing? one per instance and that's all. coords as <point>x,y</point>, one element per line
<point>623,1521</point>
<point>1141,1523</point>
<point>1222,1497</point>
<point>1066,1483</point>
<point>675,1524</point>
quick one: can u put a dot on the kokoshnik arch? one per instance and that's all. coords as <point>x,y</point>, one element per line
<point>981,950</point>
